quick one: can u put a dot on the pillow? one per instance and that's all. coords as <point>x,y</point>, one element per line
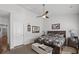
<point>56,35</point>
<point>61,35</point>
<point>51,34</point>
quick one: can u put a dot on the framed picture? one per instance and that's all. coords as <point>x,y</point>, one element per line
<point>35,29</point>
<point>29,28</point>
<point>55,26</point>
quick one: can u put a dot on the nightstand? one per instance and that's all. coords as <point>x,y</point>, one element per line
<point>74,42</point>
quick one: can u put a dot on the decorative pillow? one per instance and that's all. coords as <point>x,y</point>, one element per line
<point>51,34</point>
<point>61,35</point>
<point>40,39</point>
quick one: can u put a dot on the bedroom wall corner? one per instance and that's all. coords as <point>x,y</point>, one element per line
<point>67,23</point>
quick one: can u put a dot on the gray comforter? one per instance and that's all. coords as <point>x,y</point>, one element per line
<point>56,40</point>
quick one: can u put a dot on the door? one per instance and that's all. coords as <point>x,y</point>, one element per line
<point>26,35</point>
<point>0,40</point>
<point>3,38</point>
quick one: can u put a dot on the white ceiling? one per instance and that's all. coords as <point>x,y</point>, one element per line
<point>53,8</point>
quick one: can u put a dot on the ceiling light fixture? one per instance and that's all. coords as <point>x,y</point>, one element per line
<point>45,12</point>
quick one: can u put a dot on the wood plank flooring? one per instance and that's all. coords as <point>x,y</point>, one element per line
<point>24,49</point>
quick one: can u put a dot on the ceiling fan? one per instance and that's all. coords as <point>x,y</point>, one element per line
<point>44,13</point>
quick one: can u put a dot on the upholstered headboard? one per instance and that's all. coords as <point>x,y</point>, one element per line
<point>57,32</point>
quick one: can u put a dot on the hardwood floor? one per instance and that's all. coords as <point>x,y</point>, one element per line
<point>69,50</point>
<point>24,49</point>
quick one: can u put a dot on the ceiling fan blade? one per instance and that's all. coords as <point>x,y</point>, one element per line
<point>47,17</point>
<point>45,13</point>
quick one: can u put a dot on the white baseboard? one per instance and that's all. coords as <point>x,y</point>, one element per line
<point>24,43</point>
<point>31,41</point>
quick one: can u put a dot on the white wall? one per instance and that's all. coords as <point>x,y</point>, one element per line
<point>67,22</point>
<point>4,20</point>
<point>18,17</point>
<point>33,21</point>
<point>78,24</point>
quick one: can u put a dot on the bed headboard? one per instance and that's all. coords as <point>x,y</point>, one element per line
<point>57,32</point>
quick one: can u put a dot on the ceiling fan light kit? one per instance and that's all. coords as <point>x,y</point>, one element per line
<point>45,12</point>
<point>44,16</point>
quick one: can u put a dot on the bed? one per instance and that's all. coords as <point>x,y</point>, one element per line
<point>59,36</point>
<point>58,47</point>
<point>54,39</point>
